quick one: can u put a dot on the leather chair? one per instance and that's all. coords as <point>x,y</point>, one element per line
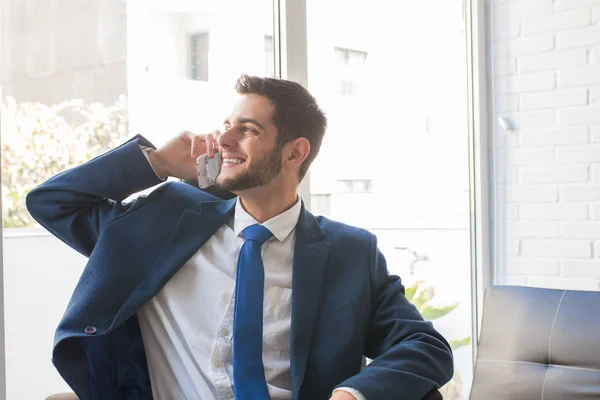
<point>538,344</point>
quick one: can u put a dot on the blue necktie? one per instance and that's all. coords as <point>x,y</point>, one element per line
<point>248,371</point>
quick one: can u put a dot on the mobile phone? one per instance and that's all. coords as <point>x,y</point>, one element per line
<point>208,169</point>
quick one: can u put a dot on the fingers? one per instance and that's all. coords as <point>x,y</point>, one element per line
<point>197,146</point>
<point>204,144</point>
<point>211,143</point>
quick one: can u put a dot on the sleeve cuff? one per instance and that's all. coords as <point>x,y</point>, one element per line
<point>145,150</point>
<point>358,395</point>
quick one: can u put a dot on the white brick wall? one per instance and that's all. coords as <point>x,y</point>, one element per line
<point>545,79</point>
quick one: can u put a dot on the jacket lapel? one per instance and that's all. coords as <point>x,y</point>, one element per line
<point>310,258</point>
<point>193,230</point>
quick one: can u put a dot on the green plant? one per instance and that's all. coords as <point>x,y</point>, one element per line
<point>421,297</point>
<point>39,141</point>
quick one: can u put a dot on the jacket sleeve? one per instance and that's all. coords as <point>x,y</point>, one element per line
<point>76,203</point>
<point>410,358</point>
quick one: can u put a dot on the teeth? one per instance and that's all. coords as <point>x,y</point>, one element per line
<point>233,160</point>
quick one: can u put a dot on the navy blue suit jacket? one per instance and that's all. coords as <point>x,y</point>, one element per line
<point>345,305</point>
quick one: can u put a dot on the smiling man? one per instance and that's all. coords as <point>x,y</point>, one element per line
<point>189,296</point>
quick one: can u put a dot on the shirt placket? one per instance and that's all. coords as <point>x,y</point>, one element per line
<point>221,355</point>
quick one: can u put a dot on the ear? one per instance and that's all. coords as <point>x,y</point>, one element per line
<point>295,152</point>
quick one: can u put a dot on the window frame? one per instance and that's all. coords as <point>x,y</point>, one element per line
<point>290,52</point>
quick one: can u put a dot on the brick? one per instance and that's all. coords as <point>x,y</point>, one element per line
<point>555,22</point>
<point>513,280</point>
<point>553,137</point>
<point>507,175</point>
<point>578,154</point>
<point>532,157</point>
<point>595,55</point>
<point>596,15</point>
<point>581,268</point>
<point>579,115</point>
<point>595,213</point>
<point>594,95</point>
<point>524,9</point>
<point>525,83</point>
<point>504,67</point>
<point>596,173</point>
<point>578,37</point>
<point>491,3</point>
<point>597,250</point>
<point>533,119</point>
<point>564,174</point>
<point>531,266</point>
<point>520,47</point>
<point>507,140</point>
<point>554,60</point>
<point>505,29</point>
<point>532,229</point>
<point>579,76</point>
<point>511,246</point>
<point>506,103</point>
<point>581,193</point>
<point>556,248</point>
<point>508,212</point>
<point>553,211</point>
<point>571,4</point>
<point>581,230</point>
<point>595,135</point>
<point>529,193</point>
<point>563,283</point>
<point>553,99</point>
<point>512,175</point>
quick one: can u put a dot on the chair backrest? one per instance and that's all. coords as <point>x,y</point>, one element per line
<point>538,344</point>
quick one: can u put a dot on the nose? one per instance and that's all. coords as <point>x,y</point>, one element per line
<point>226,139</point>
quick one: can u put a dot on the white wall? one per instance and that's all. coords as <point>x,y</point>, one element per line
<point>545,59</point>
<point>40,273</point>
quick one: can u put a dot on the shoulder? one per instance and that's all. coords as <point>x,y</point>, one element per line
<point>338,232</point>
<point>177,195</point>
<point>185,191</point>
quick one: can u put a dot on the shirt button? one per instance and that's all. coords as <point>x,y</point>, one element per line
<point>217,364</point>
<point>224,332</point>
<point>90,330</point>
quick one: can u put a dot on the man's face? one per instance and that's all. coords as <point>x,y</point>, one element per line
<point>247,145</point>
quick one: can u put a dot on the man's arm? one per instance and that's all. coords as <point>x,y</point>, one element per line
<point>410,358</point>
<point>75,204</point>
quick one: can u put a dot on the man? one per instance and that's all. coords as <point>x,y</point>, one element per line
<point>188,296</point>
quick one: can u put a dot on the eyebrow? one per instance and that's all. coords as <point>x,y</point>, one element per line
<point>245,120</point>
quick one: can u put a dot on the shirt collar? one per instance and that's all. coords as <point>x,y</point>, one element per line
<point>281,225</point>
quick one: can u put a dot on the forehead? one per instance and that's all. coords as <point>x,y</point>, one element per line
<point>253,106</point>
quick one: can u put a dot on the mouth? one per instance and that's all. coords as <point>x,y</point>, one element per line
<point>233,161</point>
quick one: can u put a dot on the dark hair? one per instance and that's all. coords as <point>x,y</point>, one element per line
<point>296,112</point>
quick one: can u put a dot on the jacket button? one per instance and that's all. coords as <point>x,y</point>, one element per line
<point>90,329</point>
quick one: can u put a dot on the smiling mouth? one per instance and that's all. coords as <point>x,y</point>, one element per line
<point>233,161</point>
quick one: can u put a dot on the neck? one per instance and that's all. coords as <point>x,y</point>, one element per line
<point>267,202</point>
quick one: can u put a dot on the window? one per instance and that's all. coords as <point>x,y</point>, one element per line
<point>349,68</point>
<point>269,56</point>
<point>199,47</point>
<point>387,164</point>
<point>354,185</point>
<point>80,82</point>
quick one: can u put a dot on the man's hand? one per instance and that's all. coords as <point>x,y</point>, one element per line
<point>177,157</point>
<point>341,395</point>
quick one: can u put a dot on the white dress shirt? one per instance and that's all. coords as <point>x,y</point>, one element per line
<point>187,327</point>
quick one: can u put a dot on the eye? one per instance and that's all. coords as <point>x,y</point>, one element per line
<point>251,130</point>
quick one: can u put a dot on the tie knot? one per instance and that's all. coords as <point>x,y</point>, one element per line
<point>257,233</point>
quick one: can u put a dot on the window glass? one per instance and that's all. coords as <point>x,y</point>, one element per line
<point>392,80</point>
